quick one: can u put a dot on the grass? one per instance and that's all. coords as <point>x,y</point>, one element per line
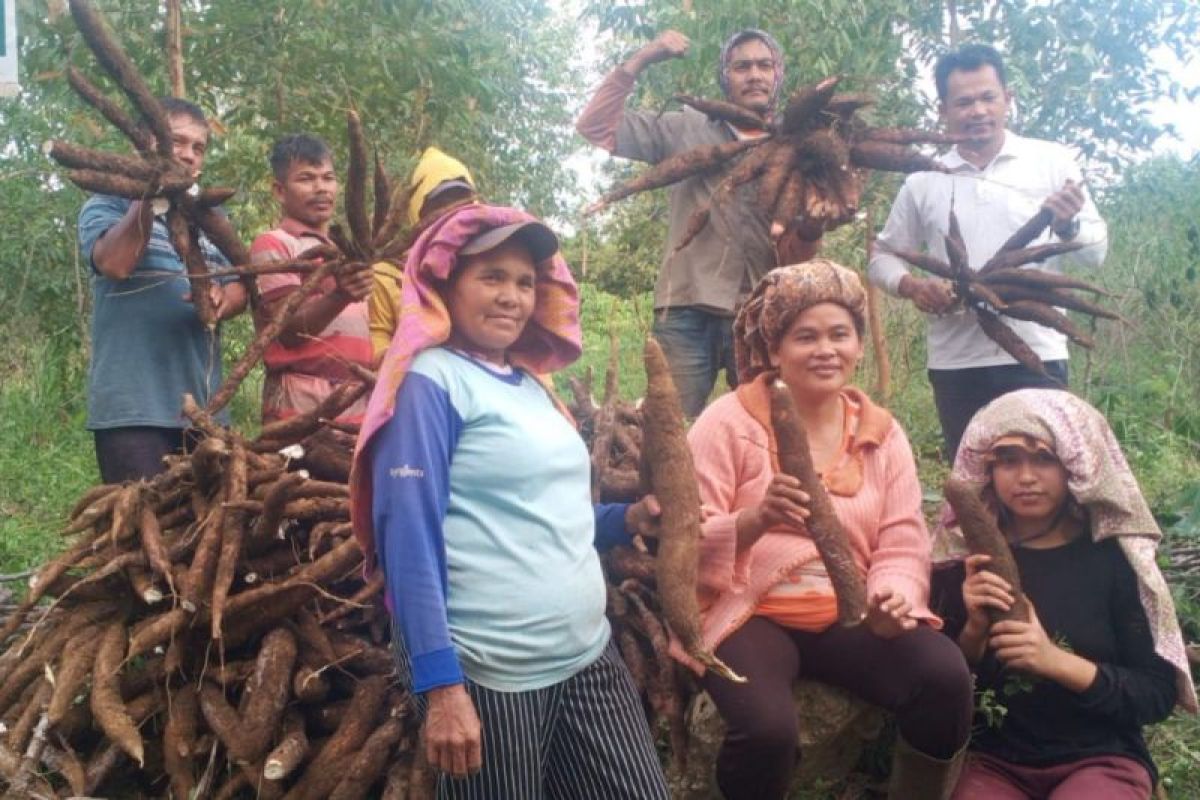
<point>47,458</point>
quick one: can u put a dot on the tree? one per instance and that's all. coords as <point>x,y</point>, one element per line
<point>487,82</point>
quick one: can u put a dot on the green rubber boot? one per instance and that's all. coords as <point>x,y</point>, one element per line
<point>916,776</point>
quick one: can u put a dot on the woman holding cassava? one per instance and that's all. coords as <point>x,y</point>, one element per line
<point>1097,653</point>
<point>473,491</point>
<point>770,609</point>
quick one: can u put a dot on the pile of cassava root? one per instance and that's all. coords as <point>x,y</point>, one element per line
<point>208,633</point>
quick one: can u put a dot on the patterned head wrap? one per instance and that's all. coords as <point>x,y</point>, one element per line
<point>779,297</point>
<point>1099,479</point>
<point>552,338</point>
<point>743,36</point>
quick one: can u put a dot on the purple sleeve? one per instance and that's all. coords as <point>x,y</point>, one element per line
<point>610,525</point>
<point>410,463</point>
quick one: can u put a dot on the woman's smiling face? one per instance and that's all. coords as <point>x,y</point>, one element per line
<point>491,297</point>
<point>820,350</point>
<point>1031,485</point>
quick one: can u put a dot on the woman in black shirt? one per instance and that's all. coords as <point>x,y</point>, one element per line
<point>1064,694</point>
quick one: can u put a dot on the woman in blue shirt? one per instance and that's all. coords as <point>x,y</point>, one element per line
<point>472,488</point>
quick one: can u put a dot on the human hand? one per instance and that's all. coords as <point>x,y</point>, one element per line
<point>643,517</point>
<point>888,614</point>
<point>1024,645</point>
<point>668,44</point>
<point>452,734</point>
<point>931,295</point>
<point>984,590</point>
<point>225,305</point>
<point>355,281</point>
<point>1064,204</point>
<point>784,503</point>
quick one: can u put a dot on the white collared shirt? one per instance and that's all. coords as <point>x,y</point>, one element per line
<point>991,204</point>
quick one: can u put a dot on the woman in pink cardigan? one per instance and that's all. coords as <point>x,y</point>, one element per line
<point>769,609</point>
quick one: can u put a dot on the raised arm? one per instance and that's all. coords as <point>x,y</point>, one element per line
<point>604,114</point>
<point>119,249</point>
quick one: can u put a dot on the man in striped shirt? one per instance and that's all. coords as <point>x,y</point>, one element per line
<point>329,331</point>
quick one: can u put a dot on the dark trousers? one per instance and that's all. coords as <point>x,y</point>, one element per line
<point>698,344</point>
<point>129,454</point>
<point>959,393</point>
<point>920,676</point>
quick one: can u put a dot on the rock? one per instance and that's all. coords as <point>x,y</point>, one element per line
<point>834,728</point>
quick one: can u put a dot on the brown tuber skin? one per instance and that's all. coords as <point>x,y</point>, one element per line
<point>983,537</point>
<point>824,527</point>
<point>108,709</point>
<point>673,482</point>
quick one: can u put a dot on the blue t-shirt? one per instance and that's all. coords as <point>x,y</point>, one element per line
<point>148,345</point>
<point>485,529</point>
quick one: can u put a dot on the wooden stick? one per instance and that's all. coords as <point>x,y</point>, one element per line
<point>174,34</point>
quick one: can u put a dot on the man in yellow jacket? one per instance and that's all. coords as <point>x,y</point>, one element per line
<point>439,183</point>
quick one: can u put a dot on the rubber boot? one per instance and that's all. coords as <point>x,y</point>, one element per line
<point>916,776</point>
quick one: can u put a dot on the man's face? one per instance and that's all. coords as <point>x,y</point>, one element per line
<point>751,75</point>
<point>976,105</point>
<point>445,200</point>
<point>189,141</point>
<point>306,194</point>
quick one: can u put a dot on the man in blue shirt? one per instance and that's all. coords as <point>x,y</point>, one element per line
<point>148,345</point>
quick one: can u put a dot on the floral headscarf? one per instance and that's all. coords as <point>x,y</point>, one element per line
<point>781,295</point>
<point>552,338</point>
<point>1099,479</point>
<point>744,36</point>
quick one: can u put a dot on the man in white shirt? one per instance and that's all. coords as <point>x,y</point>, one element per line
<point>998,181</point>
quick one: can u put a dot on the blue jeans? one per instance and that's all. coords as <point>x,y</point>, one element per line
<point>698,344</point>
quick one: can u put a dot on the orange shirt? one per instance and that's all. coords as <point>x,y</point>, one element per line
<point>804,598</point>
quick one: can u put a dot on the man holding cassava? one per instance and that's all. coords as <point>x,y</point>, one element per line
<point>329,331</point>
<point>997,182</point>
<point>149,346</point>
<point>699,286</point>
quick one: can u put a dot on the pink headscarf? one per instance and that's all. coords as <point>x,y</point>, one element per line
<point>1099,478</point>
<point>552,338</point>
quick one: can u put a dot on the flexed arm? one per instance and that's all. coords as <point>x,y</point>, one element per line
<point>605,112</point>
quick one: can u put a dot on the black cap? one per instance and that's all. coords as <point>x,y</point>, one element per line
<point>540,240</point>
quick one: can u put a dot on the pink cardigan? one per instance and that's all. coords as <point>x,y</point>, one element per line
<point>733,454</point>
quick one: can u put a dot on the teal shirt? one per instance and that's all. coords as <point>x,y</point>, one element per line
<point>524,592</point>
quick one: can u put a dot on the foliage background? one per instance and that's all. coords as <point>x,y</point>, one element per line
<point>498,82</point>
